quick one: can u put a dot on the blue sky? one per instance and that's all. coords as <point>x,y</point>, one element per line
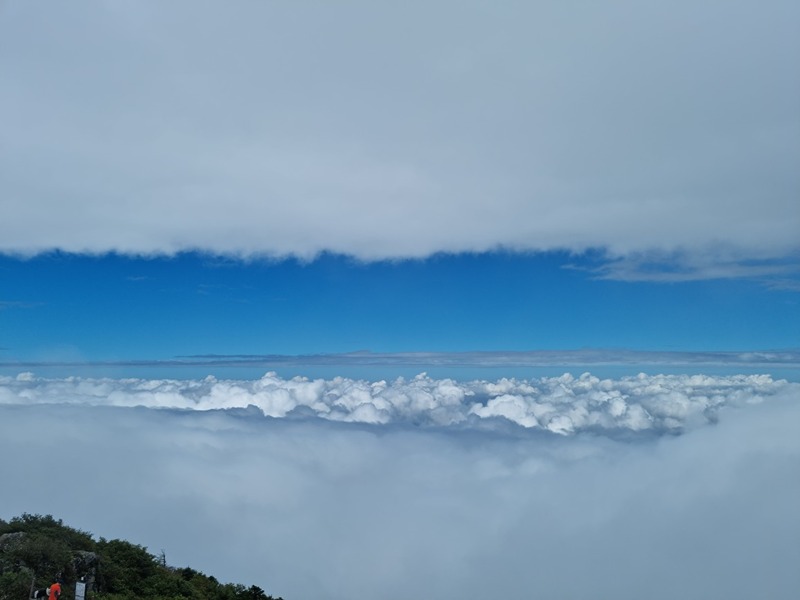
<point>115,308</point>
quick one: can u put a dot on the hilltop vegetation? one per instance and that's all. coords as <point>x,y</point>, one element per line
<point>35,548</point>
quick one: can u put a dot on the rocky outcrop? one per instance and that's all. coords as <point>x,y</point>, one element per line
<point>11,541</point>
<point>85,565</point>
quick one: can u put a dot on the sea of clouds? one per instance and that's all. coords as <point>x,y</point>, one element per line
<point>564,405</point>
<point>649,486</point>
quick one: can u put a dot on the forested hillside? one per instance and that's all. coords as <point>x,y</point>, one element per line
<point>36,549</point>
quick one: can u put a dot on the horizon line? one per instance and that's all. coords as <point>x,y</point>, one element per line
<point>480,358</point>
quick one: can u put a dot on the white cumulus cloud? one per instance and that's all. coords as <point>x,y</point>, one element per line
<point>563,405</point>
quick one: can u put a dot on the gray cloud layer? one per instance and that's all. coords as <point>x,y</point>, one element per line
<point>585,359</point>
<point>662,133</point>
<point>311,508</point>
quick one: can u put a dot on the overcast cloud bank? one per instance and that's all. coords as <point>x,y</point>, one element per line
<point>667,136</point>
<point>563,405</point>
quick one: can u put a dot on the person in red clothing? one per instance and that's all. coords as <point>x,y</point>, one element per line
<point>54,591</point>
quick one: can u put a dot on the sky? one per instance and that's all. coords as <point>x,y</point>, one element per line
<point>66,307</point>
<point>424,293</point>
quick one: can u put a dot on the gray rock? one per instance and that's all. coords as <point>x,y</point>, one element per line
<point>10,541</point>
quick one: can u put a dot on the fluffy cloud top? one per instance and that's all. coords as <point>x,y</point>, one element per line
<point>564,405</point>
<point>662,133</point>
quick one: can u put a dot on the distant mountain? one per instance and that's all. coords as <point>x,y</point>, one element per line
<point>35,550</point>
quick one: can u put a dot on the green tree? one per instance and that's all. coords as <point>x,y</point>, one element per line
<point>49,527</point>
<point>15,585</point>
<point>124,567</point>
